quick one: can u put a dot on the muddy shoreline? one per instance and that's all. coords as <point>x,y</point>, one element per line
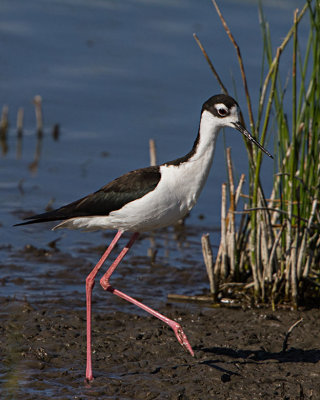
<point>238,353</point>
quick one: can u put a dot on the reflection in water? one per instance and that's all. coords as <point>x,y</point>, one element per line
<point>4,129</point>
<point>38,109</point>
<point>56,132</point>
<point>33,167</point>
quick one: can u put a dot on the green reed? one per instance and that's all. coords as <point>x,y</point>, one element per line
<point>278,240</point>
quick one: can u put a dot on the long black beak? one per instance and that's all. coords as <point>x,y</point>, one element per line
<point>247,134</point>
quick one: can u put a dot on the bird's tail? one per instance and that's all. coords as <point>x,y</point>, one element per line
<point>55,215</point>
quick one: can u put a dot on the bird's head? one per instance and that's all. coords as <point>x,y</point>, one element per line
<point>223,111</point>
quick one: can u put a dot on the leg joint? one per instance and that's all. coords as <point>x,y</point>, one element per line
<point>104,282</point>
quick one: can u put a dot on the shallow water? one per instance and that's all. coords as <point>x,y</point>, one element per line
<point>113,75</point>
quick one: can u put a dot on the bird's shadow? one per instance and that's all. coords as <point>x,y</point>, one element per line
<point>242,356</point>
<point>292,355</point>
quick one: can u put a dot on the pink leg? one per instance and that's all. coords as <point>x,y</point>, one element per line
<point>104,281</point>
<point>89,287</point>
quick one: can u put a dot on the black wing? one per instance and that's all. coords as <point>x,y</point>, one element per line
<point>111,197</point>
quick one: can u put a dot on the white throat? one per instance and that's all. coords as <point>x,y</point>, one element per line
<point>187,179</point>
<point>206,142</point>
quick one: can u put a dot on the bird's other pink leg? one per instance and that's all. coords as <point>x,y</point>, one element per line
<point>89,287</point>
<point>104,281</point>
<point>180,335</point>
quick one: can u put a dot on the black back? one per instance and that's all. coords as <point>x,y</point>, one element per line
<point>111,197</point>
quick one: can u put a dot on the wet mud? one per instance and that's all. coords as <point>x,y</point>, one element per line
<point>238,353</point>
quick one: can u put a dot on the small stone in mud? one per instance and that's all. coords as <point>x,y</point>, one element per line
<point>225,378</point>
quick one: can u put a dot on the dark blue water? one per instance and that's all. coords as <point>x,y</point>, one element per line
<point>113,75</point>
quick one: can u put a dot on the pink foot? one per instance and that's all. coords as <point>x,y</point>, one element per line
<point>181,336</point>
<point>88,380</point>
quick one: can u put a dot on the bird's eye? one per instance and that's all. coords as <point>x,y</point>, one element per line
<point>222,112</point>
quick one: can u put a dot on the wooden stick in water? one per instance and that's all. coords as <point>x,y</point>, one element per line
<point>38,110</point>
<point>153,152</point>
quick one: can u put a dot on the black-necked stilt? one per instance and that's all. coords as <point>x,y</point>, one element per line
<point>147,199</point>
